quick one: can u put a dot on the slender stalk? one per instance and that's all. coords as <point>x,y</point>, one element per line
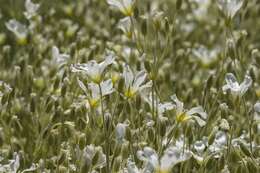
<point>106,133</point>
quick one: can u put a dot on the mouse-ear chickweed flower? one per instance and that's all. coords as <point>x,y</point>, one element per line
<point>235,88</point>
<point>93,69</point>
<point>31,9</point>
<point>106,89</point>
<point>161,108</point>
<point>125,25</point>
<point>134,83</point>
<point>18,29</point>
<point>12,166</point>
<point>230,7</point>
<point>207,57</point>
<point>125,6</point>
<point>183,115</point>
<point>172,156</point>
<point>59,58</point>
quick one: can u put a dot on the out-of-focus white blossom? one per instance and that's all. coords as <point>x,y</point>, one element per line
<point>236,88</point>
<point>120,132</point>
<point>206,56</point>
<point>59,58</point>
<point>18,29</point>
<point>230,7</point>
<point>31,9</point>
<point>125,6</point>
<point>125,25</point>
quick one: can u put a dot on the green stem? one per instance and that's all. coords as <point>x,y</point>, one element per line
<point>106,133</point>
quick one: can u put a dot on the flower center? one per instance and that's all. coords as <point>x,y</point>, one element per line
<point>182,117</point>
<point>130,93</point>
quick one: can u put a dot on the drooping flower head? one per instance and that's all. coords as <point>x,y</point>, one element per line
<point>236,88</point>
<point>93,69</point>
<point>134,83</point>
<point>182,115</point>
<point>31,9</point>
<point>230,7</point>
<point>125,6</point>
<point>18,29</point>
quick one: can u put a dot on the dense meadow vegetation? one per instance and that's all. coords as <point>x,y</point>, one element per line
<point>130,86</point>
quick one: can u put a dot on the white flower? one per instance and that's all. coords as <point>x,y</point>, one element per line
<point>201,12</point>
<point>34,167</point>
<point>17,28</point>
<point>120,132</point>
<point>160,107</point>
<point>90,151</point>
<point>106,89</point>
<point>206,56</point>
<point>125,25</point>
<point>134,84</point>
<point>200,147</point>
<point>234,87</point>
<point>230,7</point>
<point>59,58</point>
<point>93,69</point>
<point>31,9</point>
<point>125,6</point>
<point>172,156</point>
<point>131,167</point>
<point>225,169</point>
<point>183,115</point>
<point>12,166</point>
<point>219,144</point>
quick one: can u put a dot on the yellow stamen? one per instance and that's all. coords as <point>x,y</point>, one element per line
<point>130,93</point>
<point>182,117</point>
<point>93,102</point>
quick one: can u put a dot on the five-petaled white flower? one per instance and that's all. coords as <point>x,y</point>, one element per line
<point>125,6</point>
<point>59,58</point>
<point>172,156</point>
<point>31,9</point>
<point>134,84</point>
<point>230,7</point>
<point>234,87</point>
<point>93,69</point>
<point>18,29</point>
<point>183,115</point>
<point>105,88</point>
